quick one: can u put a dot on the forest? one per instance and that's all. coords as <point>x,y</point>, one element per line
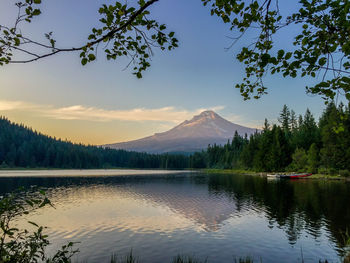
<point>298,143</point>
<point>20,146</point>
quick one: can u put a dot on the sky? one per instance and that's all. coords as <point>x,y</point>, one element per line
<point>103,102</point>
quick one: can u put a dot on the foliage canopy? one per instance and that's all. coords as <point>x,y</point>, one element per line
<point>321,40</point>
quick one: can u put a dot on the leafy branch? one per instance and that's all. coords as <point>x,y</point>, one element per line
<point>119,22</point>
<point>17,245</point>
<point>321,48</point>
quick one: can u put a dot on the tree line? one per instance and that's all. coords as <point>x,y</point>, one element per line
<point>297,143</point>
<point>20,146</point>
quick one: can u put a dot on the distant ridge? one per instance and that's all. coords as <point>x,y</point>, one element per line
<point>189,136</point>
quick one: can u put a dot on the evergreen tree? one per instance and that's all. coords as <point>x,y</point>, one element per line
<point>285,118</point>
<point>293,120</point>
<point>333,152</point>
<point>266,125</point>
<point>249,151</point>
<point>313,158</point>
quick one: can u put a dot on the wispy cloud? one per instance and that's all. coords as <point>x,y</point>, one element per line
<point>14,105</point>
<point>81,112</point>
<point>240,119</point>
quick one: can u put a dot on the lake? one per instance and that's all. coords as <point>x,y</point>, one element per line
<point>160,214</point>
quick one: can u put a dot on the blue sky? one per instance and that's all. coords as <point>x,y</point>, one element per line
<point>102,103</point>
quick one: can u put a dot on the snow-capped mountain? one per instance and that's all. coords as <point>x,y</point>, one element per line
<point>189,136</point>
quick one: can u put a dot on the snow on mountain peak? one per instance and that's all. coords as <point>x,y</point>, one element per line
<point>195,134</point>
<point>207,114</point>
<point>204,116</point>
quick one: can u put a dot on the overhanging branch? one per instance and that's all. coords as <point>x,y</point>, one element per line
<point>110,34</point>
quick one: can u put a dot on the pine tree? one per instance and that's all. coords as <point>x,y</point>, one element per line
<point>309,131</point>
<point>293,120</point>
<point>285,118</point>
<point>266,125</point>
<point>334,150</point>
<point>313,158</point>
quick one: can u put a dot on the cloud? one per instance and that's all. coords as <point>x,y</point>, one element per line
<point>14,105</point>
<point>80,112</point>
<point>239,119</point>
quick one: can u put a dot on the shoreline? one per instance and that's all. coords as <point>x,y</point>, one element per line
<point>85,172</point>
<point>263,174</point>
<point>86,169</point>
<point>133,171</point>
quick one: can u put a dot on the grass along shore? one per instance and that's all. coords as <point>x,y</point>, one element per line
<point>263,174</point>
<point>130,258</point>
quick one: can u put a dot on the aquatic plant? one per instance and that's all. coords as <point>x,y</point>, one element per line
<point>129,258</point>
<point>187,259</point>
<point>244,260</point>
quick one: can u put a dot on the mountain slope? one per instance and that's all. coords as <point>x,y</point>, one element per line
<point>189,136</point>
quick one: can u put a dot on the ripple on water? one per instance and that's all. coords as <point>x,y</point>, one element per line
<point>160,217</point>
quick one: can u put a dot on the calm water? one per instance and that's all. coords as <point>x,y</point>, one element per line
<point>219,217</point>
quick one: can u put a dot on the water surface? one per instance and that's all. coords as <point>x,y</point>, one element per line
<point>219,217</point>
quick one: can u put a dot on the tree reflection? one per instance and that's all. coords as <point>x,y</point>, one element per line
<point>294,206</point>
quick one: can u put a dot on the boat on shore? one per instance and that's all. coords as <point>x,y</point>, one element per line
<point>289,176</point>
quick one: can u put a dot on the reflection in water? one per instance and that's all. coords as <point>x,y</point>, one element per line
<point>190,201</point>
<point>294,205</point>
<point>214,216</point>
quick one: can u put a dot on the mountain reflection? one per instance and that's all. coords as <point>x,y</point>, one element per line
<point>192,201</point>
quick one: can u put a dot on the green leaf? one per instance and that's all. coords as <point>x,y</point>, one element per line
<point>280,53</point>
<point>32,223</point>
<point>92,57</point>
<point>322,61</point>
<point>288,55</point>
<point>17,41</point>
<point>84,61</point>
<point>36,12</point>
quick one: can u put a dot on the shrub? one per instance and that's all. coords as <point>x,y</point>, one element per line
<point>345,173</point>
<point>323,170</point>
<point>332,171</point>
<point>300,160</point>
<point>20,245</point>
